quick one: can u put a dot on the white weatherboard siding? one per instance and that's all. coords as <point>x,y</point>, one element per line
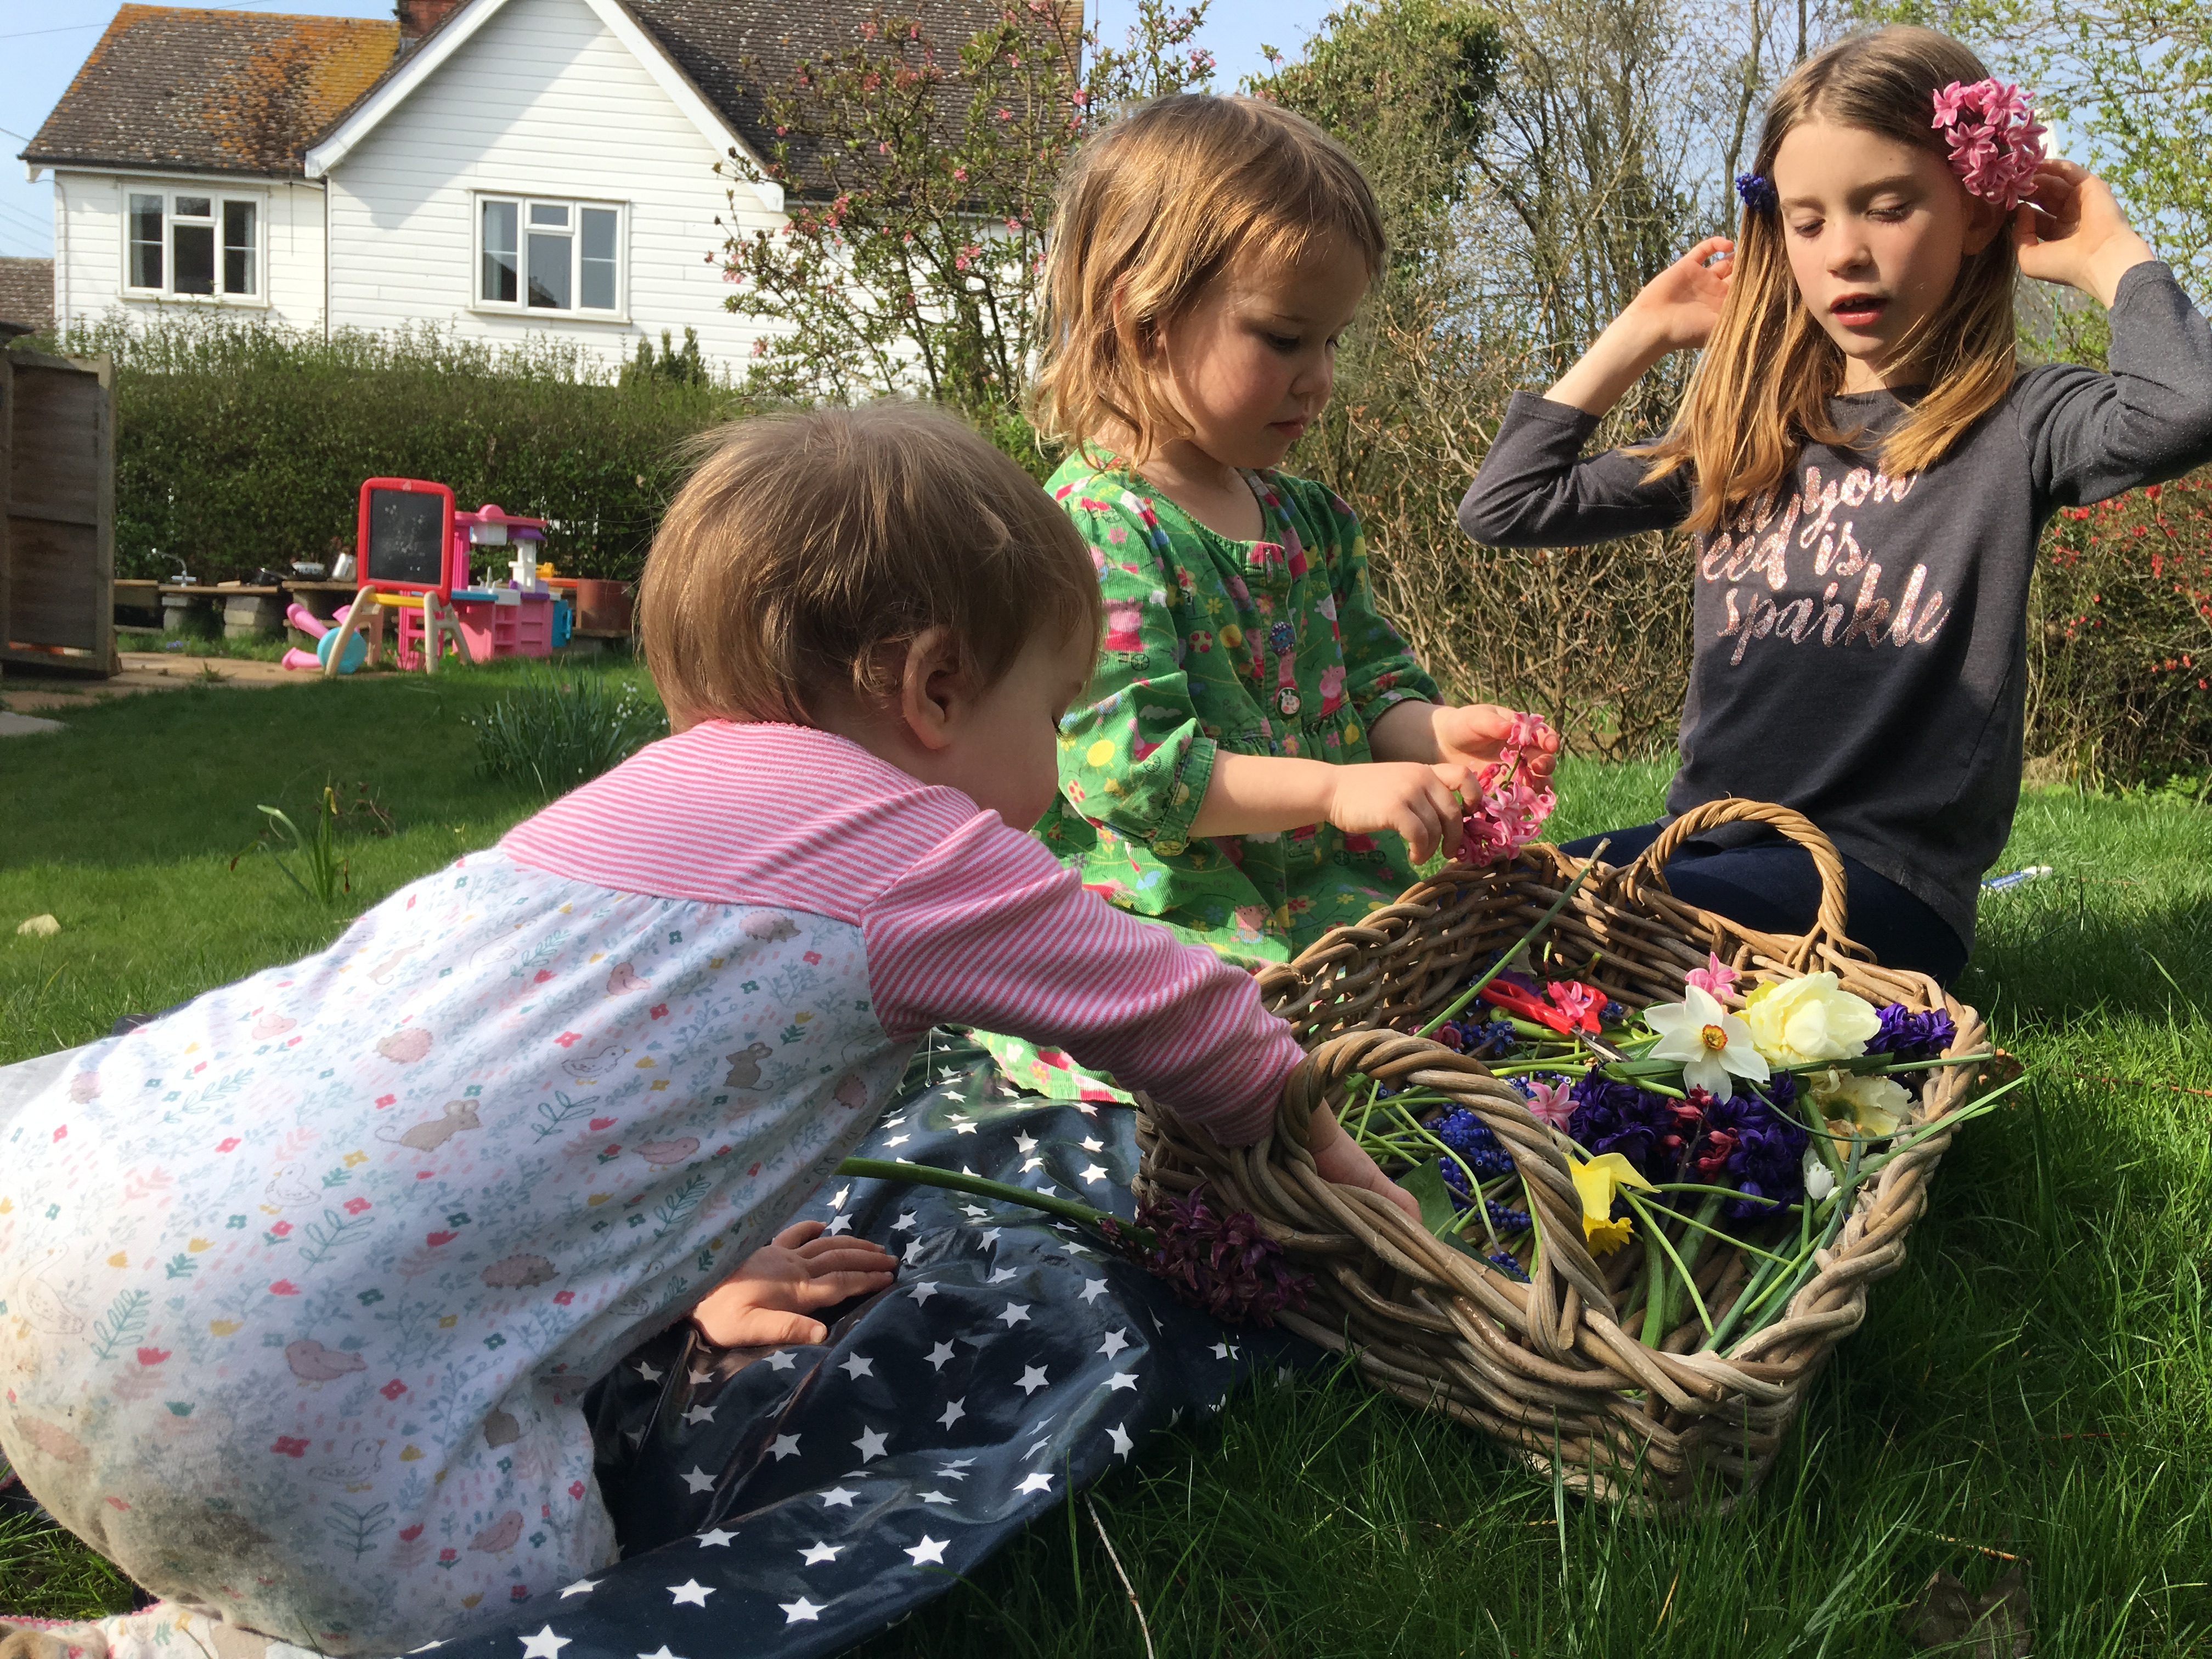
<point>90,250</point>
<point>543,100</point>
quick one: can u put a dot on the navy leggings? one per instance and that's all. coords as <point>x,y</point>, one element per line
<point>1772,885</point>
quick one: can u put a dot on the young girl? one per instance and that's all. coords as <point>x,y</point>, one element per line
<point>300,1286</point>
<point>1258,758</point>
<point>1866,473</point>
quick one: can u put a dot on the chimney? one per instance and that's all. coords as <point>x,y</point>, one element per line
<point>418,17</point>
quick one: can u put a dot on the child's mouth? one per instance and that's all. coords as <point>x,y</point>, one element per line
<point>1858,310</point>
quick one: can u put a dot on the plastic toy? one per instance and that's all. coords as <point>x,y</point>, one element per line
<point>326,635</point>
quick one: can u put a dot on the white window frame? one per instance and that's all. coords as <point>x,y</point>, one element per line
<point>522,202</point>
<point>218,196</point>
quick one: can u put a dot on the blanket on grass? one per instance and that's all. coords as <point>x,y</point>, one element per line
<point>784,1503</point>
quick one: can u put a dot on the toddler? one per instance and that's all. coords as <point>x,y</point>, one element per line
<point>301,1284</point>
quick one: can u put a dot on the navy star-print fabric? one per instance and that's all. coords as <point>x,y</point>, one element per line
<point>788,1502</point>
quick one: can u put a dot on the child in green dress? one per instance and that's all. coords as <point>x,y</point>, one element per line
<point>1258,758</point>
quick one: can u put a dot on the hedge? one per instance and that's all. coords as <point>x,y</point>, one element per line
<point>238,447</point>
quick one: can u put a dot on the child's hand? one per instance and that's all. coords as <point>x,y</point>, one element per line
<point>1340,1159</point>
<point>1419,801</point>
<point>1677,309</point>
<point>765,1303</point>
<point>2071,231</point>
<point>1471,734</point>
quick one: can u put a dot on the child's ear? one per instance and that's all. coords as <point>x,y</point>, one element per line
<point>1984,221</point>
<point>933,693</point>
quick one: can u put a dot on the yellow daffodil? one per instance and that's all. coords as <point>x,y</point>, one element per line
<point>1710,1042</point>
<point>1597,1181</point>
<point>1870,1105</point>
<point>1796,1022</point>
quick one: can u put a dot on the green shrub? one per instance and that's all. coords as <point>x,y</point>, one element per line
<point>559,733</point>
<point>239,447</point>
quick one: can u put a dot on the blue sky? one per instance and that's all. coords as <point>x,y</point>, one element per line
<point>44,42</point>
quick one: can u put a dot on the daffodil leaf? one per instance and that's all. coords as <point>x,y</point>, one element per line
<point>1426,1183</point>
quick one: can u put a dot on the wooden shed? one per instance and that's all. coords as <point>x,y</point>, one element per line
<point>56,512</point>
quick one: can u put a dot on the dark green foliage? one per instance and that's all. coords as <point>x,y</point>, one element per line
<point>241,446</point>
<point>557,732</point>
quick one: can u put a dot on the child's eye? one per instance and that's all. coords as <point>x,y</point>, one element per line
<point>1283,342</point>
<point>1806,227</point>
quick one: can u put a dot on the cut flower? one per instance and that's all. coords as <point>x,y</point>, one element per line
<point>1597,1182</point>
<point>1715,1046</point>
<point>1872,1105</point>
<point>1802,1022</point>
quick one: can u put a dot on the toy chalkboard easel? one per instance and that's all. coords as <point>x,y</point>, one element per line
<point>404,535</point>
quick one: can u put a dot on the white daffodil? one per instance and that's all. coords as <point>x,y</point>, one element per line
<point>1796,1022</point>
<point>1871,1105</point>
<point>1819,1179</point>
<point>1709,1042</point>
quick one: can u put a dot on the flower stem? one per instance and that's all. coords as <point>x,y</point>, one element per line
<point>923,1175</point>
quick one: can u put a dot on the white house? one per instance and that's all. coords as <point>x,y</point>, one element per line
<point>501,169</point>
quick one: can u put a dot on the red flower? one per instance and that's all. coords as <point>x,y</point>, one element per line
<point>437,1238</point>
<point>383,1101</point>
<point>287,1447</point>
<point>409,1535</point>
<point>356,1205</point>
<point>283,1287</point>
<point>230,1146</point>
<point>576,1489</point>
<point>393,1389</point>
<point>562,1299</point>
<point>569,1039</point>
<point>152,1356</point>
<point>281,1229</point>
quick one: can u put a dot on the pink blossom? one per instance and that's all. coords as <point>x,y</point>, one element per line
<point>1995,144</point>
<point>1715,978</point>
<point>1550,1103</point>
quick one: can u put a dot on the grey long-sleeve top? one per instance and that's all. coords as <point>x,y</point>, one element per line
<point>1861,652</point>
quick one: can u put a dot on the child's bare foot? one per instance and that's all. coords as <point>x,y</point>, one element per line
<point>766,1302</point>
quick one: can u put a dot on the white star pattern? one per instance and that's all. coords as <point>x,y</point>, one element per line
<point>647,1372</point>
<point>701,1379</point>
<point>1092,1175</point>
<point>870,1444</point>
<point>991,1236</point>
<point>929,1550</point>
<point>838,1499</point>
<point>782,1360</point>
<point>1050,1190</point>
<point>843,1224</point>
<point>691,1590</point>
<point>1032,1379</point>
<point>544,1645</point>
<point>838,1202</point>
<point>1084,1106</point>
<point>819,1553</point>
<point>920,1293</point>
<point>857,1367</point>
<point>905,1224</point>
<point>954,1411</point>
<point>1039,1482</point>
<point>1036,1446</point>
<point>1015,1313</point>
<point>581,1587</point>
<point>716,1539</point>
<point>1123,1443</point>
<point>964,1128</point>
<point>700,1414</point>
<point>898,1140</point>
<point>956,1470</point>
<point>935,1498</point>
<point>787,1445</point>
<point>801,1611</point>
<point>663,1654</point>
<point>1092,1290</point>
<point>1029,1163</point>
<point>1090,1145</point>
<point>1115,1342</point>
<point>1000,1275</point>
<point>974,1212</point>
<point>698,1480</point>
<point>1222,1351</point>
<point>1122,1380</point>
<point>939,1356</point>
<point>1026,1144</point>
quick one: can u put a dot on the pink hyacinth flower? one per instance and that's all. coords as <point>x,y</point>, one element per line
<point>1550,1103</point>
<point>1715,978</point>
<point>1995,144</point>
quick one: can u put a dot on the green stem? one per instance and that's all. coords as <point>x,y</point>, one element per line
<point>1655,1288</point>
<point>1659,1233</point>
<point>922,1174</point>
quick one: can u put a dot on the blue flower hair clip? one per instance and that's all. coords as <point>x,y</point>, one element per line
<point>1757,190</point>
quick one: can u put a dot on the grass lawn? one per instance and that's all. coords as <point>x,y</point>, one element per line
<point>2036,1382</point>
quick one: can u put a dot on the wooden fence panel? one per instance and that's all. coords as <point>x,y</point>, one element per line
<point>58,549</point>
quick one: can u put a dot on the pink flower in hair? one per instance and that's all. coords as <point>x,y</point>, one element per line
<point>1995,143</point>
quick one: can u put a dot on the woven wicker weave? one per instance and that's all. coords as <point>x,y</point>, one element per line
<point>1547,1366</point>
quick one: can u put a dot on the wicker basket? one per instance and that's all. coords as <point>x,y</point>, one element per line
<point>1547,1366</point>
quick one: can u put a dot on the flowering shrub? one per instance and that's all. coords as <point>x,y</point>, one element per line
<point>2120,636</point>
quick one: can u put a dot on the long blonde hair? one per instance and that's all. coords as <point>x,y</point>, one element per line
<point>1150,212</point>
<point>1761,390</point>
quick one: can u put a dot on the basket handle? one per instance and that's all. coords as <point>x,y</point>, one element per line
<point>1833,916</point>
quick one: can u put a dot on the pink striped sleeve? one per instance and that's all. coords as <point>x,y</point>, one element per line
<point>988,930</point>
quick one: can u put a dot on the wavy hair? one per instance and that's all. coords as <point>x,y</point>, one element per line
<point>1760,392</point>
<point>1151,211</point>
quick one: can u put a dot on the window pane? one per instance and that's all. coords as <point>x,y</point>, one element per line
<point>238,247</point>
<point>550,213</point>
<point>191,256</point>
<point>598,277</point>
<point>549,271</point>
<point>195,207</point>
<point>499,285</point>
<point>145,242</point>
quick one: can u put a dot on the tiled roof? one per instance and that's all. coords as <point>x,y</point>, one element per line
<point>212,91</point>
<point>26,293</point>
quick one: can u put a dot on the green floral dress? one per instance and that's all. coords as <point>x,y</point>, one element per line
<point>1266,647</point>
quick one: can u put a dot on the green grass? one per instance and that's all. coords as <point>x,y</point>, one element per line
<point>2036,1380</point>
